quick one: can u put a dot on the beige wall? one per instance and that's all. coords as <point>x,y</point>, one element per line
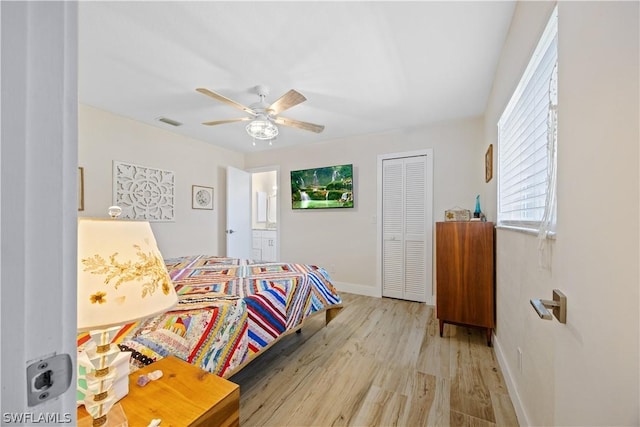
<point>344,240</point>
<point>104,137</point>
<point>585,372</point>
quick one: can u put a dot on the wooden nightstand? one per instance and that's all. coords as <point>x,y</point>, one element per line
<point>184,396</point>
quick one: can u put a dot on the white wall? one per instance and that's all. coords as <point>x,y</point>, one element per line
<point>518,278</point>
<point>344,240</point>
<point>597,249</point>
<point>104,137</point>
<point>585,372</point>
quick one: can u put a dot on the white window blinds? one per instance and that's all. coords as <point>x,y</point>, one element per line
<point>522,139</point>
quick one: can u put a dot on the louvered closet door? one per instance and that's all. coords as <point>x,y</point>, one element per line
<point>404,228</point>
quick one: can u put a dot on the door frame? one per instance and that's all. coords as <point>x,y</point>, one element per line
<point>428,153</point>
<point>39,153</point>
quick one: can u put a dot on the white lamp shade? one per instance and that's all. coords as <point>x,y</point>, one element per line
<point>122,276</point>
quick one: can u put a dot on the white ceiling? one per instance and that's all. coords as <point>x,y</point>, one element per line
<point>364,67</point>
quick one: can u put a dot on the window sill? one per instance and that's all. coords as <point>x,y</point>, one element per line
<point>525,230</point>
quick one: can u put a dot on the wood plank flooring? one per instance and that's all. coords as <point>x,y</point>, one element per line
<point>380,362</point>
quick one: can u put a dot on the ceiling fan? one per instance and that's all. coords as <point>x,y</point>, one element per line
<point>262,116</point>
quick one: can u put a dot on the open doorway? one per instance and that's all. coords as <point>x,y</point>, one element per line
<point>265,214</point>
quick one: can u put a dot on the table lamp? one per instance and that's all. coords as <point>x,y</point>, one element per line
<point>121,278</point>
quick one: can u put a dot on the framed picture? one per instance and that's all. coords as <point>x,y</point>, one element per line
<point>488,164</point>
<point>201,197</point>
<point>80,188</point>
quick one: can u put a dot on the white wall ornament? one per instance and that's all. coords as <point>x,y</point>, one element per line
<point>143,193</point>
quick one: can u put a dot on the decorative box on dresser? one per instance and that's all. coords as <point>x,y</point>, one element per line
<point>465,274</point>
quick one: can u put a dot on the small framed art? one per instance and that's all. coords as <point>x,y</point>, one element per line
<point>488,164</point>
<point>201,197</point>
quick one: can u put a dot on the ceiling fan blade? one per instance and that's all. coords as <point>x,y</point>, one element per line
<point>226,100</point>
<point>298,124</point>
<point>221,122</point>
<point>286,101</point>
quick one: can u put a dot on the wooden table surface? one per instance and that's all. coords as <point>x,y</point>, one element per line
<point>184,396</point>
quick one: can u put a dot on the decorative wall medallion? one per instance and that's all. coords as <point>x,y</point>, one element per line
<point>143,193</point>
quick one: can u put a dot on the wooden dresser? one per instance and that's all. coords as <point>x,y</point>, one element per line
<point>465,274</point>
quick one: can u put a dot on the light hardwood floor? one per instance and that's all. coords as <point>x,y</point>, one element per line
<point>380,362</point>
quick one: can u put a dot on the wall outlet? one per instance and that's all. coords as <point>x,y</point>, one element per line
<point>519,359</point>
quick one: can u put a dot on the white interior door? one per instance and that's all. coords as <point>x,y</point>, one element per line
<point>392,226</point>
<point>238,230</point>
<point>406,231</point>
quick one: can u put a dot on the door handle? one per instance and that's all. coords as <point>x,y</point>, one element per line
<point>558,306</point>
<point>230,231</point>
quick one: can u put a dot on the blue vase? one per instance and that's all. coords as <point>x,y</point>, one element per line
<point>477,212</point>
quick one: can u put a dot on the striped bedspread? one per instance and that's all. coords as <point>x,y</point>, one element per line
<point>228,310</point>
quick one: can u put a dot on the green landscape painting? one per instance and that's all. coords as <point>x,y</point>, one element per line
<point>327,187</point>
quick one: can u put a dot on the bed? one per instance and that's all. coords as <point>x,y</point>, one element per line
<point>229,311</point>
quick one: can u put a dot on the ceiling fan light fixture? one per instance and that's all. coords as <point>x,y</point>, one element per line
<point>262,128</point>
<point>262,125</point>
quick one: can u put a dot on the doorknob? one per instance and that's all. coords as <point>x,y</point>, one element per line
<point>230,231</point>
<point>558,305</point>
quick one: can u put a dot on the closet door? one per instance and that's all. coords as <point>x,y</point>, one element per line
<point>404,228</point>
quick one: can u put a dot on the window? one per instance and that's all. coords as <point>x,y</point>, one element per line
<point>526,141</point>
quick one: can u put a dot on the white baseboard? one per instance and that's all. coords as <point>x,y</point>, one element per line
<point>523,419</point>
<point>354,288</point>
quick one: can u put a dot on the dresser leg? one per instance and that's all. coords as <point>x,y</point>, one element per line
<point>489,336</point>
<point>441,327</point>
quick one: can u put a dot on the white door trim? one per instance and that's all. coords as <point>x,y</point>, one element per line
<point>428,153</point>
<point>38,204</point>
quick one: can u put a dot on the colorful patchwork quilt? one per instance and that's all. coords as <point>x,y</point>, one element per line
<point>228,310</point>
